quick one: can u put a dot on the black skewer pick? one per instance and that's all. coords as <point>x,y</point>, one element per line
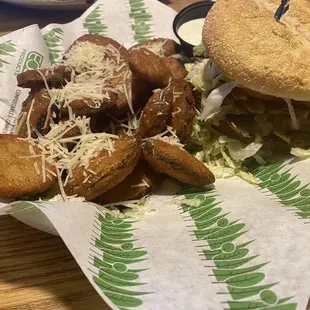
<point>282,9</point>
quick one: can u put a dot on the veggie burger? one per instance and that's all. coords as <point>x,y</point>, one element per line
<point>252,72</point>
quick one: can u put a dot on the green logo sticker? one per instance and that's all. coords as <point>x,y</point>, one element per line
<point>93,22</point>
<point>115,241</point>
<point>53,41</point>
<point>141,20</point>
<point>6,49</point>
<point>33,61</point>
<point>232,260</point>
<point>286,187</point>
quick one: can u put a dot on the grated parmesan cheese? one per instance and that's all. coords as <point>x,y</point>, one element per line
<point>172,139</point>
<point>95,88</point>
<point>87,56</point>
<point>97,65</point>
<point>143,184</point>
<point>176,112</point>
<point>94,68</point>
<point>28,118</point>
<point>155,47</point>
<point>55,152</point>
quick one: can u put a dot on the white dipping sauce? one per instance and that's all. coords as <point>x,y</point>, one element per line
<point>191,31</point>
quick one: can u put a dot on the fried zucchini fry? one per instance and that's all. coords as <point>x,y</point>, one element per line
<point>176,68</point>
<point>54,77</point>
<point>33,114</point>
<point>20,171</point>
<point>109,169</point>
<point>142,180</point>
<point>122,85</point>
<point>177,163</point>
<point>156,113</point>
<point>120,53</point>
<point>149,67</point>
<point>160,47</point>
<point>65,125</point>
<point>183,110</point>
<point>107,60</point>
<point>140,91</point>
<point>88,106</point>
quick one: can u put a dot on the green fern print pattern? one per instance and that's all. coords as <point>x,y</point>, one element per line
<point>287,188</point>
<point>93,22</point>
<point>6,49</point>
<point>141,18</point>
<point>115,241</point>
<point>53,41</point>
<point>232,259</point>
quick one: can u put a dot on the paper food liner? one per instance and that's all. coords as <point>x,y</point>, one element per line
<point>237,246</point>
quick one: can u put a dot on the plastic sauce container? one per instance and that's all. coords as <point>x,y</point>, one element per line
<point>188,24</point>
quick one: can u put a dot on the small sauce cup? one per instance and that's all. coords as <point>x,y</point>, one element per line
<point>192,12</point>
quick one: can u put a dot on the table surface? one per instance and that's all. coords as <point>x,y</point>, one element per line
<point>36,269</point>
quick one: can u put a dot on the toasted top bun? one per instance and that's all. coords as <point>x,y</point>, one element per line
<point>250,47</point>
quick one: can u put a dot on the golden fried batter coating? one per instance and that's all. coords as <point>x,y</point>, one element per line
<point>88,107</point>
<point>183,110</point>
<point>109,169</point>
<point>149,67</point>
<point>160,47</point>
<point>34,109</point>
<point>114,64</point>
<point>141,181</point>
<point>122,84</point>
<point>21,172</point>
<point>177,163</point>
<point>74,131</point>
<point>176,68</point>
<point>141,90</point>
<point>156,113</point>
<point>54,77</point>
<point>102,41</point>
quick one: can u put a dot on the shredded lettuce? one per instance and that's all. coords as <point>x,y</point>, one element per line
<point>211,104</point>
<point>224,156</point>
<point>199,50</point>
<point>284,137</point>
<point>132,208</point>
<point>299,152</point>
<point>205,76</point>
<point>239,151</point>
<point>196,76</point>
<point>295,123</point>
<point>211,70</point>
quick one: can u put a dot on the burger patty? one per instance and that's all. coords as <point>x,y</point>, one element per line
<point>251,119</point>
